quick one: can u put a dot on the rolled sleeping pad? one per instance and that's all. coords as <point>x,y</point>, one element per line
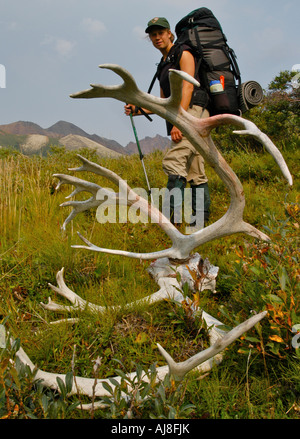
<point>251,94</point>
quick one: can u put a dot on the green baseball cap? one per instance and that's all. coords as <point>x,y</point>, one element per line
<point>157,21</point>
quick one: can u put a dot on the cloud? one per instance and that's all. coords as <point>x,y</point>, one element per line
<point>93,26</point>
<point>12,25</point>
<point>62,47</point>
<point>139,32</point>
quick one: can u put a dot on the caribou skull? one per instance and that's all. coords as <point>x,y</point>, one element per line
<point>198,273</point>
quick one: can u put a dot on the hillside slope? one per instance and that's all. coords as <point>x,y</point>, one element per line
<point>74,142</point>
<point>34,144</point>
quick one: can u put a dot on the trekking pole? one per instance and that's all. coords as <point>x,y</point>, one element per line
<point>141,156</point>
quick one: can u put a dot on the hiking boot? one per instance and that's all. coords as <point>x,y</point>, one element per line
<point>174,198</point>
<point>200,206</point>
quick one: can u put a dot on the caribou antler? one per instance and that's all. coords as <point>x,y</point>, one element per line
<point>203,362</point>
<point>170,288</point>
<point>198,132</point>
<point>127,197</point>
<point>163,273</point>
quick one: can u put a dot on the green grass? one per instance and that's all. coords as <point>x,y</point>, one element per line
<point>259,377</point>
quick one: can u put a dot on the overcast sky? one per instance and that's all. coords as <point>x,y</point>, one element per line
<point>52,48</point>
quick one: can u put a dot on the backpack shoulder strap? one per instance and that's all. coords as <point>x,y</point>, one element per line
<point>176,54</point>
<point>158,67</point>
<point>174,58</point>
<point>152,82</point>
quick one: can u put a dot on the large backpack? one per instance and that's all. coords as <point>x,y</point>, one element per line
<point>203,34</point>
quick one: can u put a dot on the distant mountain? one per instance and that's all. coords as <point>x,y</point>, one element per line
<point>63,128</point>
<point>112,144</point>
<point>58,130</point>
<point>23,128</point>
<point>149,144</point>
<point>62,131</point>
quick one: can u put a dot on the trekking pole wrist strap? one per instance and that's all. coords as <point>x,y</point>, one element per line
<point>137,109</point>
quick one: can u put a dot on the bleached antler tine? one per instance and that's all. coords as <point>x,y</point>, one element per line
<point>169,253</point>
<point>252,130</point>
<point>89,166</point>
<point>124,74</point>
<point>79,207</point>
<point>183,76</point>
<point>80,185</point>
<point>176,78</point>
<point>179,370</point>
<point>249,129</point>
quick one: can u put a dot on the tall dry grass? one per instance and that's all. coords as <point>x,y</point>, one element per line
<point>33,248</point>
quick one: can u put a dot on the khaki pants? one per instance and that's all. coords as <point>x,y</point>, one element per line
<point>183,159</point>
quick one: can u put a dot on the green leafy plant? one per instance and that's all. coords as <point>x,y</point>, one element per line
<point>266,276</point>
<point>24,397</point>
<point>144,396</point>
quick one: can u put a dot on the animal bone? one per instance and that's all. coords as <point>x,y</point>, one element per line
<point>166,277</point>
<point>198,132</point>
<point>203,361</point>
<point>164,274</point>
<point>179,370</point>
<point>148,209</point>
<point>86,386</point>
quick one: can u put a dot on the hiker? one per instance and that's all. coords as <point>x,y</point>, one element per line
<point>182,162</point>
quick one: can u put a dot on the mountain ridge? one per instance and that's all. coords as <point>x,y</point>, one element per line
<point>62,129</point>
